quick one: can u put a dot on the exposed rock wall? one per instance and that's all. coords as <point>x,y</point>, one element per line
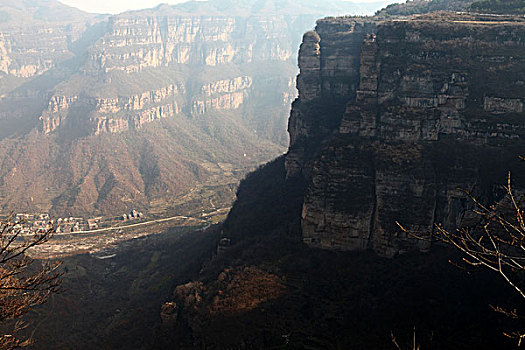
<point>37,36</point>
<point>329,75</point>
<point>227,94</point>
<point>27,52</point>
<point>138,42</point>
<point>229,85</point>
<point>125,112</point>
<point>429,104</point>
<point>220,63</point>
<point>114,114</point>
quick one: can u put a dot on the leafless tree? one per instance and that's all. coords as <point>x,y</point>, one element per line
<point>496,242</point>
<point>23,284</point>
<point>413,345</point>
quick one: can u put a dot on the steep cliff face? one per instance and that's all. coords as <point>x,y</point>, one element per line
<point>122,112</point>
<point>328,79</point>
<point>393,119</point>
<point>135,42</point>
<point>418,109</point>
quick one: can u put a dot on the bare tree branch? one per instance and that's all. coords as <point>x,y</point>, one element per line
<point>496,242</point>
<point>23,284</point>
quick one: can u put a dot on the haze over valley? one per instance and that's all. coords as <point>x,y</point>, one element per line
<point>104,114</point>
<point>262,174</point>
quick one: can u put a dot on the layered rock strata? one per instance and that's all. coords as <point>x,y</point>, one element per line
<point>114,114</point>
<point>394,116</point>
<point>219,63</point>
<point>136,43</point>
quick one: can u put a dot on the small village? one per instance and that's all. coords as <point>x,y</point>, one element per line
<point>40,223</point>
<point>101,236</point>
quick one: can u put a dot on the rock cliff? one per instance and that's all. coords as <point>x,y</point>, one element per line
<point>137,109</point>
<point>394,116</point>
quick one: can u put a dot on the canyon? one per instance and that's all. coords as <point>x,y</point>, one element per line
<point>394,119</point>
<point>103,114</point>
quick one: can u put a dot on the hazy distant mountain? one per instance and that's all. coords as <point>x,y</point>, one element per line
<point>267,7</point>
<point>27,12</point>
<point>149,109</point>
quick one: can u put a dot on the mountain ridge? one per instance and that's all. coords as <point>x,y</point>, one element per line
<point>246,8</point>
<point>25,13</point>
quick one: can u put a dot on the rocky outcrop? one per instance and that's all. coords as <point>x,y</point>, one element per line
<point>227,86</point>
<point>223,102</point>
<point>226,94</point>
<point>139,109</point>
<point>329,78</point>
<point>32,51</point>
<point>394,116</point>
<point>106,113</point>
<point>235,291</point>
<point>56,111</point>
